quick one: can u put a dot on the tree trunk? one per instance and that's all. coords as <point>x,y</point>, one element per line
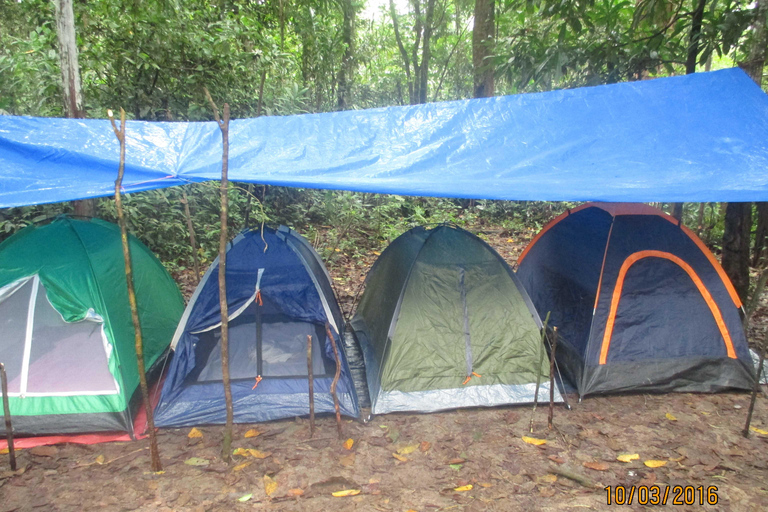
<point>346,72</point>
<point>403,52</point>
<point>677,211</point>
<point>738,217</point>
<point>426,52</point>
<point>70,80</point>
<point>482,38</point>
<point>761,235</point>
<point>695,36</point>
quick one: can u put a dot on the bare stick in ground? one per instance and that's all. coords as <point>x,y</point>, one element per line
<point>153,450</point>
<point>552,379</point>
<point>755,390</point>
<point>335,378</point>
<point>223,124</point>
<point>192,238</point>
<point>538,369</point>
<point>7,415</point>
<point>311,381</point>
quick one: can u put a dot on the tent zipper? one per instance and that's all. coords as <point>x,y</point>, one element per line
<point>467,338</point>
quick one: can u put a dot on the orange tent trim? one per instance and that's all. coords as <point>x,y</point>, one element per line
<point>633,258</point>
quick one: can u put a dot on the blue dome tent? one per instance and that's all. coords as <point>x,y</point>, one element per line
<point>279,293</point>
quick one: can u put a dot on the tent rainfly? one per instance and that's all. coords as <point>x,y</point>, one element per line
<point>279,293</point>
<point>67,337</point>
<point>642,303</point>
<point>444,323</point>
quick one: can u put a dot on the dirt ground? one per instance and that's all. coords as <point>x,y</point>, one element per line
<point>423,462</point>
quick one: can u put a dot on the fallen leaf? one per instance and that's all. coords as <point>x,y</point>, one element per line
<point>457,461</point>
<point>194,433</point>
<point>463,488</point>
<point>257,454</point>
<point>627,457</point>
<point>245,498</point>
<point>196,461</point>
<point>548,478</point>
<point>242,466</point>
<point>348,460</point>
<point>425,446</point>
<point>485,484</point>
<point>556,459</point>
<point>241,451</point>
<point>534,441</point>
<point>344,494</point>
<point>597,466</point>
<point>455,467</point>
<point>509,240</point>
<point>348,443</point>
<point>400,457</point>
<point>270,485</point>
<point>252,433</point>
<point>295,492</point>
<point>100,459</point>
<point>405,450</point>
<point>393,435</point>
<point>655,463</point>
<point>753,429</point>
<point>670,417</point>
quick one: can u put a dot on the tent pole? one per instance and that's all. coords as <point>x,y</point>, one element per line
<point>311,380</point>
<point>7,414</point>
<point>538,369</point>
<point>760,365</point>
<point>138,339</point>
<point>223,123</point>
<point>552,379</point>
<point>335,378</point>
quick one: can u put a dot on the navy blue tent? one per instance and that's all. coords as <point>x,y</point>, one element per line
<point>640,302</point>
<point>279,293</point>
<point>697,137</point>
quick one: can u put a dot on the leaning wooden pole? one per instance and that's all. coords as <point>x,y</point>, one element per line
<point>756,389</point>
<point>538,370</point>
<point>7,415</point>
<point>311,382</point>
<point>192,238</point>
<point>120,134</point>
<point>552,379</point>
<point>335,379</point>
<point>223,124</point>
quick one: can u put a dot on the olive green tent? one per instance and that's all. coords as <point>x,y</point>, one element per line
<point>444,323</point>
<point>67,337</point>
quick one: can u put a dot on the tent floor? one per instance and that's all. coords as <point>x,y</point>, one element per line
<point>702,446</point>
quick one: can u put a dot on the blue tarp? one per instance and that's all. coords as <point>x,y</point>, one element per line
<point>701,137</point>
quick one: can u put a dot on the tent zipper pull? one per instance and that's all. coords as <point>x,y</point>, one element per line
<point>258,379</point>
<point>469,377</point>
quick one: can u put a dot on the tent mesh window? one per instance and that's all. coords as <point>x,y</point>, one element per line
<point>13,325</point>
<point>273,345</point>
<point>48,356</point>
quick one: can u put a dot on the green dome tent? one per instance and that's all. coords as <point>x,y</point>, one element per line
<point>444,323</point>
<point>67,337</point>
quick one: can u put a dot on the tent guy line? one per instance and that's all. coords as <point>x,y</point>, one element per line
<point>696,137</point>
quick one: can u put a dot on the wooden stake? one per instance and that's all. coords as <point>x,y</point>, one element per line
<point>552,379</point>
<point>335,379</point>
<point>223,124</point>
<point>192,238</point>
<point>538,369</point>
<point>139,342</point>
<point>7,414</point>
<point>311,379</point>
<point>756,389</point>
